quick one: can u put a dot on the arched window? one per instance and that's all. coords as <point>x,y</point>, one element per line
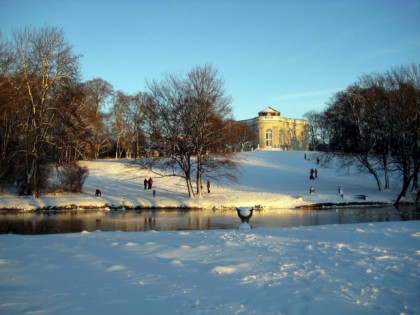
<point>268,138</point>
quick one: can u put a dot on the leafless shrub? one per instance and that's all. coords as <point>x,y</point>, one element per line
<point>72,177</point>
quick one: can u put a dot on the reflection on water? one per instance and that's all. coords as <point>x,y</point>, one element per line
<point>48,222</point>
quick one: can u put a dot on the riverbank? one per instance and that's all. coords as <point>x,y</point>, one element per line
<point>267,179</point>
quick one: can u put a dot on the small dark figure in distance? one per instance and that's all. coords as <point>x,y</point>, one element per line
<point>312,173</point>
<point>154,193</point>
<point>98,193</point>
<point>145,183</point>
<point>316,173</point>
<point>208,186</point>
<point>150,182</point>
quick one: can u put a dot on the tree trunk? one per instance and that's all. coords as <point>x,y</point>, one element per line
<point>189,187</point>
<point>415,187</point>
<point>199,175</point>
<point>387,185</point>
<point>386,172</point>
<point>377,178</point>
<point>406,184</point>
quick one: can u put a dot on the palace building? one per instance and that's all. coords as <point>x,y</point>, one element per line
<point>274,131</point>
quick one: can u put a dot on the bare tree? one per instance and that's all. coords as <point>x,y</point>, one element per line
<point>186,125</point>
<point>317,132</point>
<point>354,138</point>
<point>6,58</point>
<point>98,94</point>
<point>375,122</point>
<point>45,62</point>
<point>207,116</point>
<point>165,127</point>
<point>404,90</point>
<point>240,134</point>
<point>10,115</point>
<point>74,130</point>
<point>122,120</point>
<point>137,105</point>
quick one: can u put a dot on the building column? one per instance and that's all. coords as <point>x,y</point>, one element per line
<point>276,140</point>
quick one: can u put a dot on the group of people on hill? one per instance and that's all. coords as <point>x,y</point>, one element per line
<point>313,173</point>
<point>148,183</point>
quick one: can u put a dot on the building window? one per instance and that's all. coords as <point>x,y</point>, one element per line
<point>268,138</point>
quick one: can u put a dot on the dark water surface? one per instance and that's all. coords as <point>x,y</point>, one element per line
<point>50,222</point>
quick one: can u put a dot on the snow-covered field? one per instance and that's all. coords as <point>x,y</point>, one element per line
<point>272,179</point>
<point>337,269</point>
<point>332,269</point>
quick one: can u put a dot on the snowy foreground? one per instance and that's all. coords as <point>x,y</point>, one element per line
<point>337,269</point>
<point>271,179</point>
<point>332,269</point>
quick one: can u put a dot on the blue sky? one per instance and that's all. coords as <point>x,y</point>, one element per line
<point>290,55</point>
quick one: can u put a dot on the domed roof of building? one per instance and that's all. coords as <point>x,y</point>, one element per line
<point>268,111</point>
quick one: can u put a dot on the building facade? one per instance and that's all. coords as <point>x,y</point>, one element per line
<point>274,131</point>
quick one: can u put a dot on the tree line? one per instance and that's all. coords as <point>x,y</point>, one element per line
<point>50,119</point>
<point>375,124</point>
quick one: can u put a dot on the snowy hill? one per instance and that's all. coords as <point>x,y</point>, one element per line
<point>271,179</point>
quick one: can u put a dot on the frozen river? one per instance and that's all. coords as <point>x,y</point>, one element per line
<point>50,222</point>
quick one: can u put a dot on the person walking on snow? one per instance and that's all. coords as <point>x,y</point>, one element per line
<point>208,186</point>
<point>145,183</point>
<point>316,173</point>
<point>150,182</point>
<point>312,173</point>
